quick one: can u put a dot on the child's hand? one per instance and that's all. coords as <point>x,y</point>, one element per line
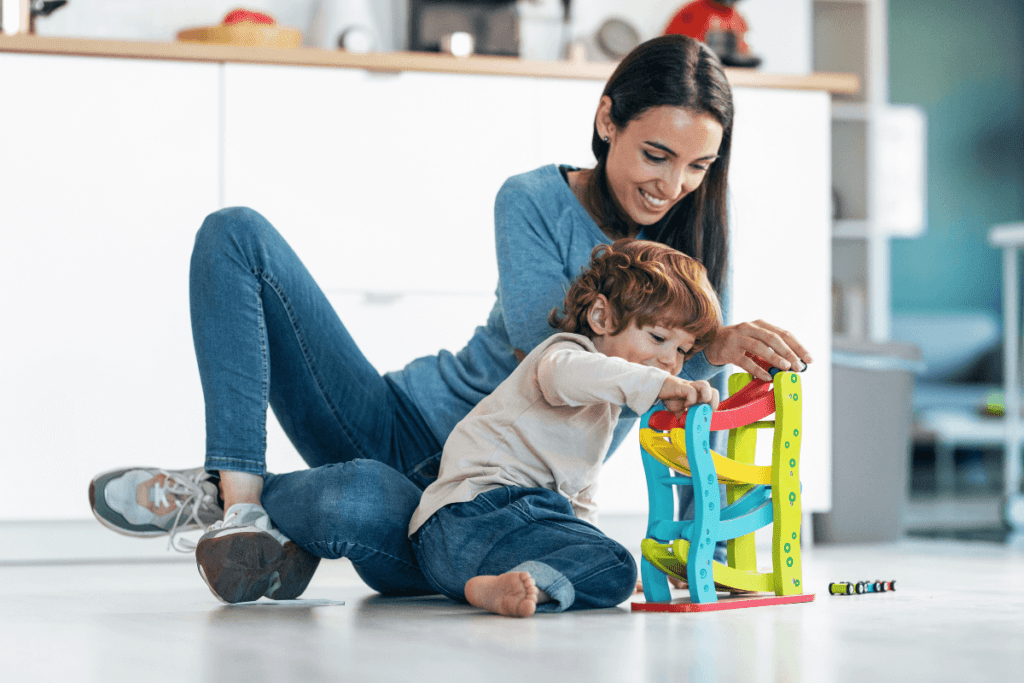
<point>678,395</point>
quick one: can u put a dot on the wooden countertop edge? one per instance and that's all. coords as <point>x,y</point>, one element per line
<point>390,62</point>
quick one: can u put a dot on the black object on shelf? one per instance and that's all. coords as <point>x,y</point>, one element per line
<point>493,24</point>
<point>42,8</point>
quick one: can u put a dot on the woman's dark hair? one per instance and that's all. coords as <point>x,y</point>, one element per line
<point>675,71</point>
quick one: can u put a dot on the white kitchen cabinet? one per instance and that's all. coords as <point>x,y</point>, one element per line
<point>779,180</point>
<point>381,182</point>
<point>107,167</point>
<point>384,184</point>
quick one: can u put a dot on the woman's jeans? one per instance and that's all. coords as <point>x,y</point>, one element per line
<point>532,530</point>
<point>264,334</point>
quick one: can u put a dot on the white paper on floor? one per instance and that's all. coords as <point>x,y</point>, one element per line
<point>289,603</point>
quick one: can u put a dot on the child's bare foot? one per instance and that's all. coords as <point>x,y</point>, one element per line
<point>512,594</point>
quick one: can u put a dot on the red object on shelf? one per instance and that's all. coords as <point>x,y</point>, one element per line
<point>718,25</point>
<point>237,16</point>
<point>696,18</point>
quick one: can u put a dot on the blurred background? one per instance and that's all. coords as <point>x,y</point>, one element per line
<point>927,158</point>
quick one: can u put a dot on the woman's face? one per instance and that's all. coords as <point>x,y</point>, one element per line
<point>657,158</point>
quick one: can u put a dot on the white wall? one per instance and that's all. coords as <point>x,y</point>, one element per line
<point>780,30</point>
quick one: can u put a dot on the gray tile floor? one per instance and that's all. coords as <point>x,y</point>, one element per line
<point>958,615</point>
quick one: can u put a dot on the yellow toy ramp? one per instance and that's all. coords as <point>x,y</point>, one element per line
<point>670,558</point>
<point>671,451</point>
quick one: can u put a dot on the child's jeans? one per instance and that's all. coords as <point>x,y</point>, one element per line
<point>533,530</point>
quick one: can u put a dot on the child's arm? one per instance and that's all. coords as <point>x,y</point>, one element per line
<point>569,375</point>
<point>679,394</point>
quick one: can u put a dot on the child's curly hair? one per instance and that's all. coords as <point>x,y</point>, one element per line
<point>646,283</point>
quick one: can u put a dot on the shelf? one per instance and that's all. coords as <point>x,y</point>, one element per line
<point>850,111</point>
<point>394,62</point>
<point>851,229</point>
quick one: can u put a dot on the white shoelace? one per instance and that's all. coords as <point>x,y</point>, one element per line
<point>229,519</point>
<point>189,495</point>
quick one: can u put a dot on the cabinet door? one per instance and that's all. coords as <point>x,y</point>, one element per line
<point>384,185</point>
<point>565,121</point>
<point>781,247</point>
<point>381,182</point>
<point>109,167</point>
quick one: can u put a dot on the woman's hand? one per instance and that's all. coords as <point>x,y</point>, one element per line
<point>774,344</point>
<point>679,394</point>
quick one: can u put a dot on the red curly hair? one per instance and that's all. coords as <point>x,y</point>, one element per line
<point>646,283</point>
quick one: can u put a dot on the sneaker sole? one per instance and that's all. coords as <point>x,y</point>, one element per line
<point>243,566</point>
<point>239,567</point>
<point>296,571</point>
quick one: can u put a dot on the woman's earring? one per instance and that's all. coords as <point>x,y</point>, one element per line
<point>605,138</point>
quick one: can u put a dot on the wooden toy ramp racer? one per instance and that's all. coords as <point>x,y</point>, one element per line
<point>676,452</point>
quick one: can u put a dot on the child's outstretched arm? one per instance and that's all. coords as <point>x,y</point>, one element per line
<point>679,394</point>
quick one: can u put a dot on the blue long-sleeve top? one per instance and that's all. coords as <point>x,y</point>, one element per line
<point>543,238</point>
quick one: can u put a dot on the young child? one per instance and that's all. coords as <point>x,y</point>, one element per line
<point>509,524</point>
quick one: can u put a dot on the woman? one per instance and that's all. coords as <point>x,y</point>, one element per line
<point>265,333</point>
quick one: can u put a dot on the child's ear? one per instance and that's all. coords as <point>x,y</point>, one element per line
<point>599,317</point>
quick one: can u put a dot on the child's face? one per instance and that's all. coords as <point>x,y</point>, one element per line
<point>661,347</point>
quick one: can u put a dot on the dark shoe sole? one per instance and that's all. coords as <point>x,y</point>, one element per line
<point>295,572</point>
<point>245,566</point>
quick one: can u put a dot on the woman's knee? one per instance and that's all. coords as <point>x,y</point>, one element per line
<point>232,226</point>
<point>362,496</point>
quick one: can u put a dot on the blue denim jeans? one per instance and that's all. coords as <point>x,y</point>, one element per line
<point>532,530</point>
<point>265,334</point>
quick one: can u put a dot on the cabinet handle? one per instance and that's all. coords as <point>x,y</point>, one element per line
<point>382,298</point>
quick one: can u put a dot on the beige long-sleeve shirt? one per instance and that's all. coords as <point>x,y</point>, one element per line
<point>548,425</point>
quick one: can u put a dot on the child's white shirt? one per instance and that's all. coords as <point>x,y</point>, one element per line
<point>549,425</point>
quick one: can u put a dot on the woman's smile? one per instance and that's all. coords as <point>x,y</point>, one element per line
<point>656,204</point>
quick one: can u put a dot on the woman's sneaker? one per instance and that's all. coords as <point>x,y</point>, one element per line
<point>149,502</point>
<point>245,557</point>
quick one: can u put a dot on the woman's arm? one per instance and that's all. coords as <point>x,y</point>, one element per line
<point>531,265</point>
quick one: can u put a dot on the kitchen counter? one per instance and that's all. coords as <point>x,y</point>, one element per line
<point>392,62</point>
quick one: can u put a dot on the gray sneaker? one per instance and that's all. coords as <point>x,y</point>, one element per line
<point>185,499</point>
<point>245,557</point>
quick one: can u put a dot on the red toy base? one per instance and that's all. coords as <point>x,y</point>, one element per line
<point>724,602</point>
